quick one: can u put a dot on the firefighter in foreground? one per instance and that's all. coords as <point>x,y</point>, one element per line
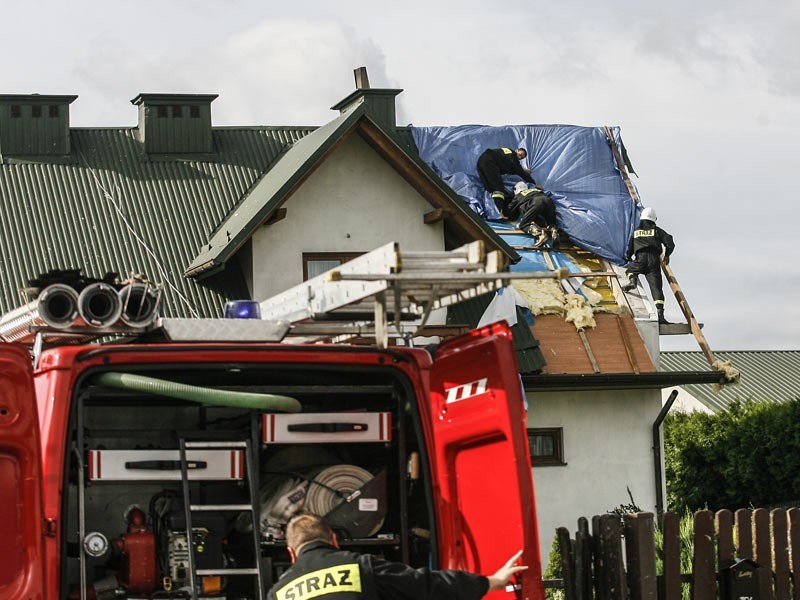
<point>496,162</point>
<point>320,569</point>
<point>646,245</point>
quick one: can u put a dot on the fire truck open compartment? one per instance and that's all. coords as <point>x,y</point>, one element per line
<point>353,452</point>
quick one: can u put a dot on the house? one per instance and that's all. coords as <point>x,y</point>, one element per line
<point>244,212</point>
<point>766,376</point>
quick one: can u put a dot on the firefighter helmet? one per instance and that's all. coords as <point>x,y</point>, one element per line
<point>649,214</point>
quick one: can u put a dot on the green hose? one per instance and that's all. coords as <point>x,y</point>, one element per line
<point>193,393</point>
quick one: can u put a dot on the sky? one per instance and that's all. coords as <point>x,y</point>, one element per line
<point>707,96</point>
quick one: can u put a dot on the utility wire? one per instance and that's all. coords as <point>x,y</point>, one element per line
<point>108,196</point>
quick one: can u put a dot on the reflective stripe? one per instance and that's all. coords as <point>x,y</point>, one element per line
<point>659,302</point>
<point>507,150</point>
<point>498,195</point>
<point>341,578</point>
<point>644,233</point>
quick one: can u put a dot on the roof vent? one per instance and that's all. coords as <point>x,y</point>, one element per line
<point>34,125</point>
<point>175,123</point>
<point>380,103</point>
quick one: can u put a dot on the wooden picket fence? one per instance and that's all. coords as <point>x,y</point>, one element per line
<point>616,560</point>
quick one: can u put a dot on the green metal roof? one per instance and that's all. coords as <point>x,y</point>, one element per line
<point>765,375</point>
<point>110,208</point>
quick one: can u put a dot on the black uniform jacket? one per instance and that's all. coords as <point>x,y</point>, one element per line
<point>649,238</point>
<point>322,571</point>
<point>528,199</point>
<point>507,162</point>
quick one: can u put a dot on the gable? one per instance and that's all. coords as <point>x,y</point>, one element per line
<point>288,173</point>
<point>353,202</point>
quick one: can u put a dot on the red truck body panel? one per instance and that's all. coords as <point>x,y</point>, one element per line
<point>470,406</point>
<point>21,525</point>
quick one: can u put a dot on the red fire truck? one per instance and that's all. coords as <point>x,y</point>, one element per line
<point>165,462</point>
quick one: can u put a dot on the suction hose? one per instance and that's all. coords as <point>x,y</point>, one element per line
<point>193,393</point>
<point>58,305</point>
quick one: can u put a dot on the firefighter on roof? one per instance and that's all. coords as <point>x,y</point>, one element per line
<point>496,162</point>
<point>320,569</point>
<point>536,212</point>
<point>646,245</point>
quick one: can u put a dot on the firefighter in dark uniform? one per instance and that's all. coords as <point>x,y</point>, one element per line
<point>646,245</point>
<point>496,162</point>
<point>536,212</point>
<point>320,570</point>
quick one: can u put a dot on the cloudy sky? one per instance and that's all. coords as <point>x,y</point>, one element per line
<point>707,95</point>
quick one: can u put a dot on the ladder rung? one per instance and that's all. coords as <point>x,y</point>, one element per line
<point>202,572</point>
<point>212,444</point>
<point>219,507</point>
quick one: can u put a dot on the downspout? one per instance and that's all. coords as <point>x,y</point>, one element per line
<point>657,449</point>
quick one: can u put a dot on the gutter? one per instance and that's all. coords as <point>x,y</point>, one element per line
<point>657,450</point>
<point>619,381</point>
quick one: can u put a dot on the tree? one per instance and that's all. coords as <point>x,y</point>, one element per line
<point>746,456</point>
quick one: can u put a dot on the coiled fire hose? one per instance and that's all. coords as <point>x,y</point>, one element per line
<point>193,393</point>
<point>335,485</point>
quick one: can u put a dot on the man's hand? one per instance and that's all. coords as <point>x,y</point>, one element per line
<point>500,579</point>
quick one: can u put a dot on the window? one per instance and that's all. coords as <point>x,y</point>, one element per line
<point>52,111</point>
<point>316,263</point>
<point>161,111</point>
<point>16,111</point>
<point>547,446</point>
<point>36,111</point>
<point>177,110</point>
<point>194,112</point>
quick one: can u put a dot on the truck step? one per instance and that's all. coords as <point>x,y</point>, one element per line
<point>203,572</point>
<point>219,507</point>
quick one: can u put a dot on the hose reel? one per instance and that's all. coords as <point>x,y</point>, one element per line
<point>351,499</point>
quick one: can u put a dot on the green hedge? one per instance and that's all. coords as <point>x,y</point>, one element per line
<point>748,456</point>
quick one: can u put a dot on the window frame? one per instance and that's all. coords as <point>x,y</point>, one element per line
<point>342,257</point>
<point>557,436</point>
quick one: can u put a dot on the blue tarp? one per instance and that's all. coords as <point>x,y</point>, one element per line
<point>574,165</point>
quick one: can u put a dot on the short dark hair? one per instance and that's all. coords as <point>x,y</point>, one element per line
<point>305,528</point>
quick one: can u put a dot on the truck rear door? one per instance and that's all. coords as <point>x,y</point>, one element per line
<point>485,501</point>
<point>21,514</point>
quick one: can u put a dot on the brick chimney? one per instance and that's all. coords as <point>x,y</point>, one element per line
<point>175,123</point>
<point>34,125</point>
<point>380,103</point>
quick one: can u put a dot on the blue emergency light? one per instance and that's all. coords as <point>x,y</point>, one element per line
<point>242,309</point>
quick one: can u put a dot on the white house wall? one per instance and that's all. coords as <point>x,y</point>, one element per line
<point>684,402</point>
<point>353,202</point>
<point>608,439</point>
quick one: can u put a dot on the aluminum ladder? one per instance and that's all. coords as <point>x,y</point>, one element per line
<point>252,508</point>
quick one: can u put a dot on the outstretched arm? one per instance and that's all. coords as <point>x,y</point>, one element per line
<point>500,579</point>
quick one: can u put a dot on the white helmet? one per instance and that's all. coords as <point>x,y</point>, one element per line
<point>519,186</point>
<point>649,214</point>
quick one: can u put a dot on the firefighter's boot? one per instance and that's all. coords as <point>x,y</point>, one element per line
<point>661,318</point>
<point>500,202</point>
<point>633,283</point>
